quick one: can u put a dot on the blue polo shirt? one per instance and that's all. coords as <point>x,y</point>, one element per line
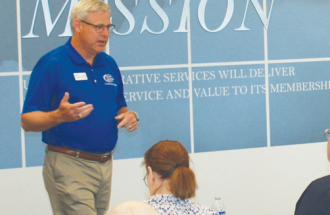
<point>64,70</point>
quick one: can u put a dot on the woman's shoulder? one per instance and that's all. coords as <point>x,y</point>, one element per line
<point>161,199</point>
<point>169,204</point>
<point>200,209</point>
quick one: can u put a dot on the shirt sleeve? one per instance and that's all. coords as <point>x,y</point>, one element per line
<point>40,90</point>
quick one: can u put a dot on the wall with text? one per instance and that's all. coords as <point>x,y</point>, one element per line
<point>226,78</point>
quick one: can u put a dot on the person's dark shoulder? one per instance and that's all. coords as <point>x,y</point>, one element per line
<point>319,188</point>
<point>316,198</point>
<point>320,185</point>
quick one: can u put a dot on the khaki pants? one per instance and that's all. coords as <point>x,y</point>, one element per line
<point>77,186</point>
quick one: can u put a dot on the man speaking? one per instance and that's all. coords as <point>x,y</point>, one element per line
<point>75,97</point>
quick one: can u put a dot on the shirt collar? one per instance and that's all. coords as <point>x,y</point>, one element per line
<point>78,59</point>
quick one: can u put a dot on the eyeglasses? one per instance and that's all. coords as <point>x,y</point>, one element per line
<point>100,28</point>
<point>327,133</point>
<point>145,179</point>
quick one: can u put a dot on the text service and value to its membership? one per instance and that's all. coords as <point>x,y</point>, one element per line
<point>221,75</point>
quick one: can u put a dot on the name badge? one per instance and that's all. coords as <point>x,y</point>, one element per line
<point>80,76</point>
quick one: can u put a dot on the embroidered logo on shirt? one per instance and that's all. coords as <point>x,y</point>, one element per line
<point>109,79</point>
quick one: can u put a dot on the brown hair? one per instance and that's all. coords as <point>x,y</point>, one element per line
<point>170,160</point>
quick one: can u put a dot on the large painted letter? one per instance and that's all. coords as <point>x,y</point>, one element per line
<point>67,31</point>
<point>161,14</point>
<point>48,20</point>
<point>183,22</point>
<point>201,15</point>
<point>261,14</point>
<point>130,18</point>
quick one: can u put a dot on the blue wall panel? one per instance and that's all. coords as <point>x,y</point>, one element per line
<point>229,111</point>
<point>298,29</point>
<point>35,47</point>
<point>299,102</point>
<point>228,44</point>
<point>145,48</point>
<point>8,42</point>
<point>10,123</point>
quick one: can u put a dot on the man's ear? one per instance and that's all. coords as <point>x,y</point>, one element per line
<point>77,24</point>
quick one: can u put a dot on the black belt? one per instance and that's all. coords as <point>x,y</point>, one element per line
<point>102,158</point>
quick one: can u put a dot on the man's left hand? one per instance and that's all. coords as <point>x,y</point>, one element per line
<point>127,120</point>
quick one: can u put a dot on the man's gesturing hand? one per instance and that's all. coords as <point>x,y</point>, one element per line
<point>72,112</point>
<point>127,120</point>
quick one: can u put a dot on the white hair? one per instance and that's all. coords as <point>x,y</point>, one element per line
<point>84,7</point>
<point>133,208</point>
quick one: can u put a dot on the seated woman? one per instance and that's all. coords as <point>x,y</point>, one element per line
<point>170,180</point>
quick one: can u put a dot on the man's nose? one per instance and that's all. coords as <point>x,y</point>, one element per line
<point>105,32</point>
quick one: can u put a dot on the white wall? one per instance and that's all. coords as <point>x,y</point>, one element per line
<point>250,181</point>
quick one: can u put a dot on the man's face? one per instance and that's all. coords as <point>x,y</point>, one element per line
<point>93,42</point>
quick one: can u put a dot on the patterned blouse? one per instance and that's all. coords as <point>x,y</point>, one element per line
<point>170,205</point>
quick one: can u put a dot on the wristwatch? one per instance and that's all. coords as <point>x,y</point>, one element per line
<point>136,115</point>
